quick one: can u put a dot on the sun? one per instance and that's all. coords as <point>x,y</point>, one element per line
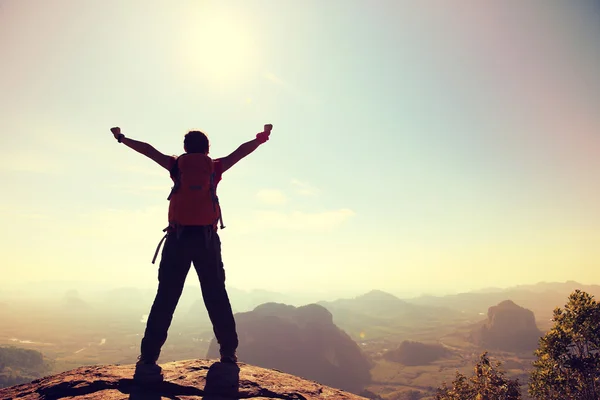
<point>216,46</point>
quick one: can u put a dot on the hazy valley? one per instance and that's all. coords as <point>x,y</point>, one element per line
<point>408,346</point>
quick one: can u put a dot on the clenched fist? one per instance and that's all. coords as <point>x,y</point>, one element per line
<point>116,132</point>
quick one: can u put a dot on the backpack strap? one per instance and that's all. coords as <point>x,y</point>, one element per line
<point>160,243</point>
<point>174,172</point>
<point>169,230</point>
<point>215,198</point>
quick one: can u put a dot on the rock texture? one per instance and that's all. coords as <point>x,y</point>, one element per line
<point>183,380</point>
<point>302,341</point>
<point>509,327</point>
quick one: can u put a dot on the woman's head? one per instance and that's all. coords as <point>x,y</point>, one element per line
<point>195,142</point>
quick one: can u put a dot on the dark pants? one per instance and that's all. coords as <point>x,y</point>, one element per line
<point>201,246</point>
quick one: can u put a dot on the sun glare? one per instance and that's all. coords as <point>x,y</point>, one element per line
<point>217,47</point>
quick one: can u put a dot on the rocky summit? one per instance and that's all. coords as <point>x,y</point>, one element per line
<point>183,380</point>
<point>509,327</point>
<point>302,341</point>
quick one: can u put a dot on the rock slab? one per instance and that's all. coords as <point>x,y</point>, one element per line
<point>183,380</point>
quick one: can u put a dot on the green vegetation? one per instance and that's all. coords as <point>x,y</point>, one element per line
<point>487,383</point>
<point>416,353</point>
<point>19,365</point>
<point>568,362</point>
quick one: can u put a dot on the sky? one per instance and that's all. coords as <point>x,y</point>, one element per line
<point>417,147</point>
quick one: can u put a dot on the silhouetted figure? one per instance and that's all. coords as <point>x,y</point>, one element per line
<point>191,238</point>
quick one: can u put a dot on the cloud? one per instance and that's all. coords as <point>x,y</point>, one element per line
<point>304,188</point>
<point>136,169</point>
<point>31,161</point>
<point>273,78</point>
<point>297,220</point>
<point>140,189</point>
<point>16,214</point>
<point>130,225</point>
<point>291,89</point>
<point>34,216</point>
<point>271,197</point>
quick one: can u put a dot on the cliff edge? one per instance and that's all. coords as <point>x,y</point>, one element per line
<point>183,380</point>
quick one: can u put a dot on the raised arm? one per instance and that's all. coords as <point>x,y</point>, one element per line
<point>246,148</point>
<point>143,148</point>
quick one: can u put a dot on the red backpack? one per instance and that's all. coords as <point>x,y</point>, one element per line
<point>193,199</point>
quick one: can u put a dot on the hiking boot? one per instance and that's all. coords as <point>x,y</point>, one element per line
<point>228,357</point>
<point>147,370</point>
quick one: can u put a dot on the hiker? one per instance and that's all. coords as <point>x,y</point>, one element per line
<point>191,237</point>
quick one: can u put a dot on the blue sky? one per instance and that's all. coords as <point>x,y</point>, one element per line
<point>417,146</point>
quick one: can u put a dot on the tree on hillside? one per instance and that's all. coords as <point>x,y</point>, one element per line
<point>416,353</point>
<point>487,383</point>
<point>568,362</point>
<point>19,365</point>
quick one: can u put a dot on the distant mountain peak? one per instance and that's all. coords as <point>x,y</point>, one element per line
<point>509,327</point>
<point>508,304</point>
<point>380,295</point>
